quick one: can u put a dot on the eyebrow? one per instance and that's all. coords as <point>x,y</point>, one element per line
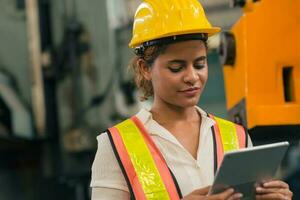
<point>201,58</point>
<point>183,61</point>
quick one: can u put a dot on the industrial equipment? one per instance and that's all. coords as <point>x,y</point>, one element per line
<point>261,62</point>
<point>34,46</point>
<point>15,119</point>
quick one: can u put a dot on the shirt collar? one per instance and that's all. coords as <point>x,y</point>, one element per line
<point>145,116</point>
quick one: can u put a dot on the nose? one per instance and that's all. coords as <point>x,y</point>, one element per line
<point>191,75</point>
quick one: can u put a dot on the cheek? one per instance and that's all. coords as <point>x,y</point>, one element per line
<point>163,83</point>
<point>203,75</point>
<point>159,83</point>
<point>156,80</point>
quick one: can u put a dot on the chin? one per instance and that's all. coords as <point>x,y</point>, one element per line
<point>186,104</point>
<point>182,102</point>
<point>190,102</point>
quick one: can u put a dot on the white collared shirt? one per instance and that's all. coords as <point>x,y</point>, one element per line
<point>109,183</point>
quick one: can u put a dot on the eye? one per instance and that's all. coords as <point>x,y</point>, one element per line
<point>175,69</point>
<point>200,65</point>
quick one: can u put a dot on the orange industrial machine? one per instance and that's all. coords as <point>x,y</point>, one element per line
<point>261,58</point>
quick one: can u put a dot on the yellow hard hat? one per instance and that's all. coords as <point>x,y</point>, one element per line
<point>155,19</point>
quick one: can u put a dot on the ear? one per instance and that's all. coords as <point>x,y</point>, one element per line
<point>145,69</point>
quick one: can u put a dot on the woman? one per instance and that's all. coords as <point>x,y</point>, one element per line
<point>169,151</point>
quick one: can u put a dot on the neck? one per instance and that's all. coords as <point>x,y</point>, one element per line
<point>170,113</point>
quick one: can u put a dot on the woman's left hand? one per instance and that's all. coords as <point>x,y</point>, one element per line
<point>274,190</point>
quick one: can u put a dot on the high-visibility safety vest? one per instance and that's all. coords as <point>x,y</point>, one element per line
<point>227,136</point>
<point>144,168</point>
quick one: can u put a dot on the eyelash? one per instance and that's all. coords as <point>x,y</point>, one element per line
<point>178,69</point>
<point>199,66</point>
<point>175,70</point>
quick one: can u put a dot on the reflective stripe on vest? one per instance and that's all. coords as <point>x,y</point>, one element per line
<point>227,136</point>
<point>145,167</point>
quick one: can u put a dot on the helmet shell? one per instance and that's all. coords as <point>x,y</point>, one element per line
<point>156,19</point>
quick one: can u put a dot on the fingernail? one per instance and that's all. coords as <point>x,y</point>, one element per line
<point>258,189</point>
<point>239,195</point>
<point>231,190</point>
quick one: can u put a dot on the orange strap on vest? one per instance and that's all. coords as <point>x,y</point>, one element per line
<point>227,136</point>
<point>143,166</point>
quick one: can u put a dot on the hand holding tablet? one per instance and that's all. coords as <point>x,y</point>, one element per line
<point>245,169</point>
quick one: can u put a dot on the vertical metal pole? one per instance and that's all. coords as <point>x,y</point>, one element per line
<point>37,87</point>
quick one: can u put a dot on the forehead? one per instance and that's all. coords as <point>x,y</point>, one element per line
<point>185,49</point>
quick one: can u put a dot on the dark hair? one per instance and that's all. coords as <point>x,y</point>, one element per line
<point>149,55</point>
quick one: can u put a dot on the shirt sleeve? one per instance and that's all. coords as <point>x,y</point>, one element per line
<point>107,182</point>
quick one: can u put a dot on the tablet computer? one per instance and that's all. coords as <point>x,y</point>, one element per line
<point>243,169</point>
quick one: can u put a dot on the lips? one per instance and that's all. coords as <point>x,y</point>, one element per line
<point>191,89</point>
<point>190,92</point>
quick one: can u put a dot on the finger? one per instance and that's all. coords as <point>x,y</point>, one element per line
<point>276,183</point>
<point>224,195</point>
<point>235,196</point>
<point>260,190</point>
<point>272,196</point>
<point>285,192</point>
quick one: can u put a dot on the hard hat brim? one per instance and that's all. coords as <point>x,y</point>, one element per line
<point>210,32</point>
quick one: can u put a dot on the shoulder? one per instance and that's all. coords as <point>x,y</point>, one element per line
<point>103,141</point>
<point>144,115</point>
<point>225,124</point>
<point>106,171</point>
<point>104,152</point>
